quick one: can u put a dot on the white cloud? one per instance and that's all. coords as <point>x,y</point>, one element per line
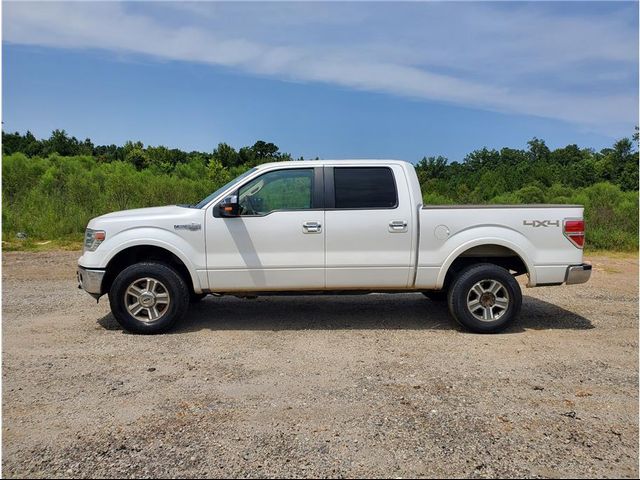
<point>524,59</point>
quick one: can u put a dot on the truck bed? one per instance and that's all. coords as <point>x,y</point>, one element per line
<point>534,233</point>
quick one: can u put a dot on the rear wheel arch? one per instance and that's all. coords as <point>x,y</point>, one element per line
<point>499,253</point>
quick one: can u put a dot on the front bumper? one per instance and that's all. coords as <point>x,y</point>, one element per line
<point>578,274</point>
<point>90,280</point>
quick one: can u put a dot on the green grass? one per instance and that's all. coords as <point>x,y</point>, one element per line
<point>31,245</point>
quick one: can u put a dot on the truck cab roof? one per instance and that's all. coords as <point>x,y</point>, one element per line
<point>342,162</point>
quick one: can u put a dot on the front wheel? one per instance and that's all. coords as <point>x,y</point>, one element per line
<point>485,298</point>
<point>148,298</point>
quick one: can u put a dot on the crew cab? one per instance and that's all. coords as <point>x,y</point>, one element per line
<point>317,227</point>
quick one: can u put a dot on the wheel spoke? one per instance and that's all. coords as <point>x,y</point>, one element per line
<point>488,313</point>
<point>502,303</point>
<point>477,288</point>
<point>473,305</point>
<point>134,291</point>
<point>162,298</point>
<point>135,308</point>
<point>495,287</point>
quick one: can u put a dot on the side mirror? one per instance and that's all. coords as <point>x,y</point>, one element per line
<point>229,207</point>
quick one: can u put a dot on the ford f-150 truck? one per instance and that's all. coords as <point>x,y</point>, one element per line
<point>325,226</point>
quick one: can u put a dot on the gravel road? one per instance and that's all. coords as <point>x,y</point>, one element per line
<point>334,386</point>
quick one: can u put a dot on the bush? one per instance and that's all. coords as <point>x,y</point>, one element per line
<point>530,194</point>
<point>611,216</point>
<point>55,197</point>
<point>436,199</point>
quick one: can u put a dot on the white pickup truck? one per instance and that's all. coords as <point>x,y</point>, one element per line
<point>329,226</point>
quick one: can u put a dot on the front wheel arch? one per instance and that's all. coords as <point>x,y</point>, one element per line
<point>144,253</point>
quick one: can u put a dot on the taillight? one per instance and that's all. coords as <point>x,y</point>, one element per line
<point>574,231</point>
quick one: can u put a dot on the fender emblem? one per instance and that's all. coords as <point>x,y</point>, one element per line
<point>541,223</point>
<point>188,226</point>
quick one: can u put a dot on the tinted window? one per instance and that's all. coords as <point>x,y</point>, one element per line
<point>364,187</point>
<point>277,190</point>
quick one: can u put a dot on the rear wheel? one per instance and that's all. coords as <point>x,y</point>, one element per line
<point>148,298</point>
<point>485,298</point>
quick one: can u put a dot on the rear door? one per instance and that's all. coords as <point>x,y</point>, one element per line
<point>368,227</point>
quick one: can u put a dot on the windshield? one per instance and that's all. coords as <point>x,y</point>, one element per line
<point>203,202</point>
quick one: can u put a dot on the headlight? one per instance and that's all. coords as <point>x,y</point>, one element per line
<point>93,239</point>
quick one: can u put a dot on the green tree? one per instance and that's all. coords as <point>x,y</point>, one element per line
<point>482,159</point>
<point>538,150</point>
<point>59,142</point>
<point>265,150</point>
<point>137,157</point>
<point>530,194</point>
<point>226,155</point>
<point>432,167</point>
<point>625,164</point>
<point>217,173</point>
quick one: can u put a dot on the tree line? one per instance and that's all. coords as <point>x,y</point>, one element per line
<point>135,153</point>
<point>53,186</point>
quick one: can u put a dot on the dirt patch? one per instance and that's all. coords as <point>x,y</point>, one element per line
<point>336,386</point>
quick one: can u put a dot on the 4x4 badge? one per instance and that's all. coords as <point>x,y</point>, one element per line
<point>541,223</point>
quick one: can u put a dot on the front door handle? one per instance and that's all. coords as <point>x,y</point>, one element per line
<point>312,227</point>
<point>398,226</point>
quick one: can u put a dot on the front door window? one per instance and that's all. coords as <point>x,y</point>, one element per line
<point>280,190</point>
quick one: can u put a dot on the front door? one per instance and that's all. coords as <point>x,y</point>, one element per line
<point>277,242</point>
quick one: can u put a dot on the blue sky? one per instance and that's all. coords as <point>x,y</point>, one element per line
<point>335,80</point>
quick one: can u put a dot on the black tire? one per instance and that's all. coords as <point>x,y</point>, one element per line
<point>461,298</point>
<point>169,282</point>
<point>196,297</point>
<point>436,295</point>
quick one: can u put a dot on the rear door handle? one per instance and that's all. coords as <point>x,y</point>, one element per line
<point>312,227</point>
<point>398,226</point>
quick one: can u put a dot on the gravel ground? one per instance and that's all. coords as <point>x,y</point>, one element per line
<point>335,386</point>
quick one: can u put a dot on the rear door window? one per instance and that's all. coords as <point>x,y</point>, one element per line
<point>364,187</point>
